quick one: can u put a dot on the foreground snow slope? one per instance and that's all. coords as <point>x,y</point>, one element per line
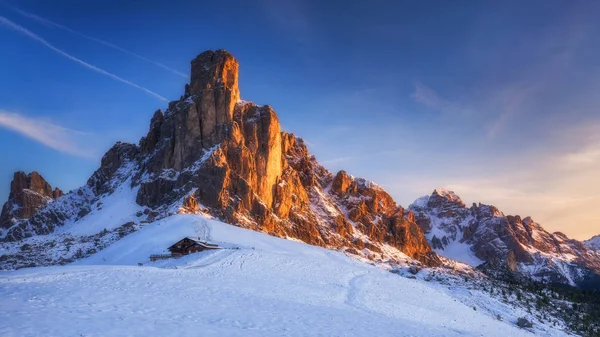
<point>265,287</point>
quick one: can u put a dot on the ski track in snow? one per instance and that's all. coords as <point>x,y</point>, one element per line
<point>353,292</point>
<point>259,286</point>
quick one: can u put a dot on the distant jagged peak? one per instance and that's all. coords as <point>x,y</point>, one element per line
<point>32,182</point>
<point>420,203</point>
<point>442,196</point>
<point>28,193</point>
<point>504,241</point>
<point>450,195</point>
<point>593,243</point>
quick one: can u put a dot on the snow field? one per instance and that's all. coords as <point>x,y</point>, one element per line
<point>266,287</point>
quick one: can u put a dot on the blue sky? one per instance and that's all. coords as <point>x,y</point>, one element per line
<point>494,100</point>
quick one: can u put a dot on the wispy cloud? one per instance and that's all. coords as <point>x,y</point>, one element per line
<point>543,67</point>
<point>46,133</point>
<point>587,155</point>
<point>583,152</point>
<point>7,23</point>
<point>556,184</point>
<point>91,38</point>
<point>511,104</point>
<point>496,109</point>
<point>427,96</point>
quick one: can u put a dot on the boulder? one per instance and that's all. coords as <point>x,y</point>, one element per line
<point>523,323</point>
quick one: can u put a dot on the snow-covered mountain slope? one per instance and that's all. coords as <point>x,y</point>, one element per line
<point>444,230</point>
<point>77,224</point>
<point>593,243</point>
<point>258,285</point>
<point>482,235</point>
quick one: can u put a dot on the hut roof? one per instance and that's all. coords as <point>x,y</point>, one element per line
<point>197,242</point>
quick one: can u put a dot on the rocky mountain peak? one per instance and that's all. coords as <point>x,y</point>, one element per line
<point>482,235</point>
<point>28,193</point>
<point>214,69</point>
<point>32,181</point>
<point>211,152</point>
<point>202,118</point>
<point>441,195</point>
<point>214,90</point>
<point>231,157</point>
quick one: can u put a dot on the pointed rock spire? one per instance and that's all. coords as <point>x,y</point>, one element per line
<point>214,88</point>
<point>212,70</point>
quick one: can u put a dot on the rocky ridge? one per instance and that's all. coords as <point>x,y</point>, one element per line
<point>481,235</point>
<point>28,193</point>
<point>211,152</point>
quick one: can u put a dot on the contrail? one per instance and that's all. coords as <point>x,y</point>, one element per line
<point>108,44</point>
<point>6,22</point>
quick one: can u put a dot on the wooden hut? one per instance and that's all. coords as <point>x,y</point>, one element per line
<point>188,246</point>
